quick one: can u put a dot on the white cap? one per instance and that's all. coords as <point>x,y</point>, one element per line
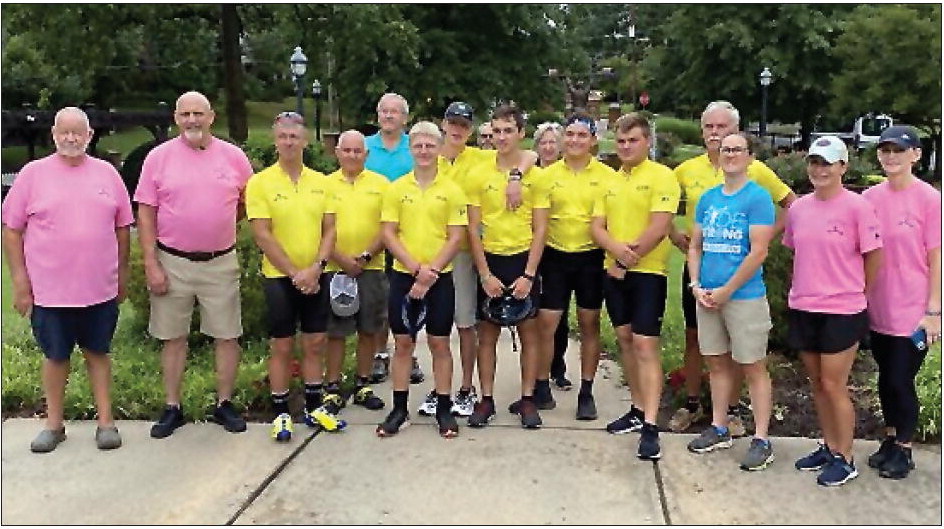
<point>830,148</point>
<point>344,299</point>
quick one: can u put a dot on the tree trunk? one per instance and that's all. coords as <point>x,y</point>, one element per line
<point>233,75</point>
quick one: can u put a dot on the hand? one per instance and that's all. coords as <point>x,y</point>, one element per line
<point>352,266</point>
<point>513,195</point>
<point>122,284</point>
<point>616,272</point>
<point>418,290</point>
<point>680,240</point>
<point>426,276</point>
<point>703,297</point>
<point>521,287</point>
<point>628,255</point>
<point>306,280</point>
<point>932,326</point>
<point>492,286</point>
<point>157,282</point>
<point>23,297</point>
<point>720,295</point>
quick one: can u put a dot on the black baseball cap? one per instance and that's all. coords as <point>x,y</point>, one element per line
<point>902,135</point>
<point>458,109</point>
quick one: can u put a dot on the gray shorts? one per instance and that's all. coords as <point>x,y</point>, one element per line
<point>466,281</point>
<point>741,326</point>
<point>372,289</point>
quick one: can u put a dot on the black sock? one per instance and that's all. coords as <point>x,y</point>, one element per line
<point>527,397</point>
<point>280,403</point>
<point>542,385</point>
<point>692,404</point>
<point>443,403</point>
<point>362,381</point>
<point>333,387</point>
<point>733,410</point>
<point>314,394</point>
<point>399,399</point>
<point>636,412</point>
<point>465,391</point>
<point>586,387</point>
<point>489,399</point>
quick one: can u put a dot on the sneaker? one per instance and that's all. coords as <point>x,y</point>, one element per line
<point>543,398</point>
<point>416,375</point>
<point>629,422</point>
<point>898,464</point>
<point>448,427</point>
<point>528,411</point>
<point>837,472</point>
<point>562,383</point>
<point>365,397</point>
<point>380,370</point>
<point>107,438</point>
<point>48,440</point>
<point>877,459</point>
<point>815,460</point>
<point>710,439</point>
<point>759,455</point>
<point>282,428</point>
<point>464,403</point>
<point>396,420</point>
<point>326,415</point>
<point>736,426</point>
<point>586,407</point>
<point>226,416</point>
<point>171,419</point>
<point>649,449</point>
<point>428,407</point>
<point>483,413</point>
<point>683,418</point>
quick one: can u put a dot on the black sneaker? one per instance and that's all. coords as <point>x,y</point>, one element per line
<point>226,416</point>
<point>171,419</point>
<point>543,398</point>
<point>898,464</point>
<point>649,449</point>
<point>562,383</point>
<point>448,427</point>
<point>416,375</point>
<point>877,459</point>
<point>586,407</point>
<point>629,422</point>
<point>396,420</point>
<point>365,397</point>
<point>483,413</point>
<point>528,412</point>
<point>380,370</point>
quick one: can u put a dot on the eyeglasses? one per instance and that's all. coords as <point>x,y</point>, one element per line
<point>486,136</point>
<point>889,149</point>
<point>735,150</point>
<point>291,117</point>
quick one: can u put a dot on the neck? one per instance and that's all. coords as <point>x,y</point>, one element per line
<point>733,182</point>
<point>451,151</point>
<point>391,135</point>
<point>509,159</point>
<point>714,157</point>
<point>629,165</point>
<point>900,181</point>
<point>73,161</point>
<point>293,167</point>
<point>351,174</point>
<point>425,175</point>
<point>578,162</point>
<point>200,145</point>
<point>828,192</point>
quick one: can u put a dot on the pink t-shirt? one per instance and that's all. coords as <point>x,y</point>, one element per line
<point>910,221</point>
<point>196,193</point>
<point>68,216</point>
<point>829,238</point>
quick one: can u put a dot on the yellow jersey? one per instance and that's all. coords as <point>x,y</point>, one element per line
<point>507,232</point>
<point>572,194</point>
<point>357,211</point>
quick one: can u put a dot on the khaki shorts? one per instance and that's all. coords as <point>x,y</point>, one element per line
<point>465,279</point>
<point>372,289</point>
<point>741,327</point>
<point>215,286</point>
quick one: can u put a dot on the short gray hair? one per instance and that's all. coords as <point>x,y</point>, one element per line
<point>426,128</point>
<point>723,105</point>
<point>549,126</point>
<point>352,134</point>
<point>400,99</point>
<point>72,110</point>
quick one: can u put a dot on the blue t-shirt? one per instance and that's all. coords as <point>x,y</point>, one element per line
<point>725,222</point>
<point>391,163</point>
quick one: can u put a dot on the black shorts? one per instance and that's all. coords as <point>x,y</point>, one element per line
<point>566,272</point>
<point>507,268</point>
<point>440,304</point>
<point>59,329</point>
<point>638,300</point>
<point>818,332</point>
<point>290,310</point>
<point>688,300</point>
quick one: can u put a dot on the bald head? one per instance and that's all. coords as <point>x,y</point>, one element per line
<point>193,98</point>
<point>72,114</point>
<point>71,133</point>
<point>194,117</point>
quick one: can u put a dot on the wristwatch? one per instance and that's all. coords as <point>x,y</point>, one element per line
<point>694,284</point>
<point>514,175</point>
<point>366,256</point>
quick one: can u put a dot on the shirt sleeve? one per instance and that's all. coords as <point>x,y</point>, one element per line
<point>458,208</point>
<point>146,193</point>
<point>257,206</point>
<point>540,195</point>
<point>331,196</point>
<point>599,206</point>
<point>762,212</point>
<point>666,194</point>
<point>768,179</point>
<point>390,211</point>
<point>15,204</point>
<point>867,225</point>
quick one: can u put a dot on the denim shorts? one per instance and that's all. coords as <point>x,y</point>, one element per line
<point>59,329</point>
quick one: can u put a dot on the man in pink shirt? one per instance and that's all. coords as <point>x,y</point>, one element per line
<point>190,197</point>
<point>66,236</point>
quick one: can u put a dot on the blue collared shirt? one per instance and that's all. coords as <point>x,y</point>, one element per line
<point>391,163</point>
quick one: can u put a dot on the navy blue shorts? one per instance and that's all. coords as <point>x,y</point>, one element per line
<point>290,310</point>
<point>440,304</point>
<point>638,300</point>
<point>59,329</point>
<point>565,272</point>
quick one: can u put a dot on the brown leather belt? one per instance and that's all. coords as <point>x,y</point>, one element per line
<point>198,257</point>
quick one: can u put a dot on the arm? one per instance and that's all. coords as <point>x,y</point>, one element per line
<point>679,238</point>
<point>660,225</point>
<point>307,278</point>
<point>513,191</point>
<point>760,236</point>
<point>522,285</point>
<point>147,237</point>
<point>123,235</point>
<point>262,234</point>
<point>620,251</point>
<point>16,260</point>
<point>391,239</point>
<point>932,323</point>
<point>784,204</point>
<point>873,261</point>
<point>694,268</point>
<point>490,284</point>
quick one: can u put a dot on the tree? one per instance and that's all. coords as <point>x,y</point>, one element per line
<point>233,74</point>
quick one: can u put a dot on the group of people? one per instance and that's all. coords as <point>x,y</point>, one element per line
<point>416,230</point>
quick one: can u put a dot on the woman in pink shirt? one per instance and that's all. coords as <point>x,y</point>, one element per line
<point>905,300</point>
<point>835,238</point>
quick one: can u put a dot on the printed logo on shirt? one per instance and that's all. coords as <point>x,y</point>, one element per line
<point>835,227</point>
<point>908,221</point>
<point>719,223</point>
<point>104,192</point>
<point>279,196</point>
<point>642,188</point>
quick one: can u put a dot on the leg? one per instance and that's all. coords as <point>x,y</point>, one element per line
<point>528,332</point>
<point>280,360</point>
<point>721,379</point>
<point>99,371</point>
<point>834,376</point>
<point>882,353</point>
<point>649,366</point>
<point>316,354</point>
<point>811,361</point>
<point>547,324</point>
<point>402,362</point>
<point>227,362</point>
<point>758,380</point>
<point>365,352</point>
<point>467,354</point>
<point>442,363</point>
<point>488,340</point>
<point>693,362</point>
<point>559,365</point>
<point>624,336</point>
<point>173,361</point>
<point>55,376</point>
<point>589,323</point>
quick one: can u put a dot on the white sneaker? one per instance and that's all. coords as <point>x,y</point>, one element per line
<point>463,405</point>
<point>428,407</point>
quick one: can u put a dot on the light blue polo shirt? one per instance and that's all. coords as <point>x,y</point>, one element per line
<point>391,163</point>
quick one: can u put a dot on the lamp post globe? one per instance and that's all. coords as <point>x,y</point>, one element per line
<point>298,65</point>
<point>765,79</point>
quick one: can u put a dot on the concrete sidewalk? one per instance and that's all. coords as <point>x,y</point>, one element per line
<point>569,472</point>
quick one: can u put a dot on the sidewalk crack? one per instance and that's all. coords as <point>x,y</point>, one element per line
<point>662,500</point>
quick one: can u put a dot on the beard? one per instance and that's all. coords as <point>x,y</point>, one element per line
<point>71,150</point>
<point>193,135</point>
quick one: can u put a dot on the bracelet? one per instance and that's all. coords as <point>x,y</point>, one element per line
<point>932,313</point>
<point>621,265</point>
<point>528,276</point>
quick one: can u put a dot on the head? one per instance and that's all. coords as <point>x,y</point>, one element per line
<point>737,152</point>
<point>457,123</point>
<point>351,152</point>
<point>425,144</point>
<point>507,128</point>
<point>194,117</point>
<point>719,119</point>
<point>580,135</point>
<point>392,113</point>
<point>899,148</point>
<point>826,162</point>
<point>71,132</point>
<point>291,137</point>
<point>549,142</point>
<point>633,139</point>
<point>484,139</point>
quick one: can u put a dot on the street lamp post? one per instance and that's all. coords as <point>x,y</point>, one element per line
<point>299,65</point>
<point>316,92</point>
<point>765,78</point>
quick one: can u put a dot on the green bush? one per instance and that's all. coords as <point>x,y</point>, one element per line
<point>928,384</point>
<point>261,152</point>
<point>791,168</point>
<point>778,275</point>
<point>686,130</point>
